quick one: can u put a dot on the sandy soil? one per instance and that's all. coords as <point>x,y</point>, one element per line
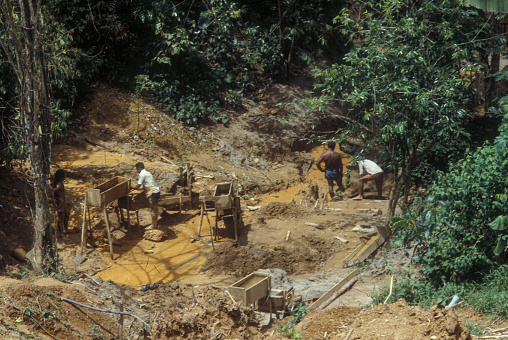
<point>175,288</point>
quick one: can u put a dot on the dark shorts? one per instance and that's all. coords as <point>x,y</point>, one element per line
<point>155,197</point>
<point>333,175</point>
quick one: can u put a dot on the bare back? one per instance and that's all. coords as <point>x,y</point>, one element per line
<point>332,159</point>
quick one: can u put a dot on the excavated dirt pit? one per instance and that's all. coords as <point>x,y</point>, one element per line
<point>184,279</point>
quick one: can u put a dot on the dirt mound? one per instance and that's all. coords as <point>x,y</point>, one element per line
<point>16,200</point>
<point>392,321</point>
<point>283,210</point>
<point>167,311</point>
<point>303,255</point>
<point>199,314</point>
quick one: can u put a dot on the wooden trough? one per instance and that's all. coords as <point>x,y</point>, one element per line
<point>256,289</point>
<point>251,289</point>
<point>138,200</point>
<point>100,197</point>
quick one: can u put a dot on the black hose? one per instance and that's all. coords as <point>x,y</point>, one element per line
<point>105,310</point>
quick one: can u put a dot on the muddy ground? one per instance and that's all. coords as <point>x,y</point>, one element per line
<point>175,288</point>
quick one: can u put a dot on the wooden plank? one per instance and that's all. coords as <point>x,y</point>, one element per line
<point>352,254</point>
<point>332,290</point>
<point>108,191</point>
<point>93,197</point>
<point>109,232</point>
<point>369,248</point>
<point>119,190</point>
<point>173,200</point>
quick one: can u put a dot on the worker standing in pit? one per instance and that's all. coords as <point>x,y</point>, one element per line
<point>152,191</point>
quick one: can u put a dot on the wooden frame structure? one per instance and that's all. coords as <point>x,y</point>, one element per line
<point>226,204</point>
<point>100,197</point>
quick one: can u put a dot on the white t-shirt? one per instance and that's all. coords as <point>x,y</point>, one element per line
<point>146,180</point>
<point>369,167</point>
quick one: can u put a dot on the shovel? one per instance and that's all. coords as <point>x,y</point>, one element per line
<point>79,259</point>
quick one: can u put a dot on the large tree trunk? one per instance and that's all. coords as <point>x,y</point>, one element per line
<point>23,45</point>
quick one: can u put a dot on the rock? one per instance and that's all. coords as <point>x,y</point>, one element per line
<point>154,235</point>
<point>451,323</point>
<point>313,192</point>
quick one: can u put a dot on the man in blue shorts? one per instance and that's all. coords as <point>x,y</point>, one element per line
<point>333,168</point>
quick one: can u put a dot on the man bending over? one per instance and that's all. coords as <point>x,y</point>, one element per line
<point>370,171</point>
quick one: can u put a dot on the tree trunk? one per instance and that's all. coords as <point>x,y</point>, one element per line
<point>23,45</point>
<point>394,195</point>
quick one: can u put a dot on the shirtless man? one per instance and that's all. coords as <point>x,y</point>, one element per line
<point>151,189</point>
<point>333,167</point>
<point>370,171</point>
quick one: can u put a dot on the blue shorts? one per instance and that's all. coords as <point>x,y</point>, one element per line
<point>333,175</point>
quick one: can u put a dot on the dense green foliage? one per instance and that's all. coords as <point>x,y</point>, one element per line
<point>462,228</point>
<point>488,296</point>
<point>195,57</point>
<point>407,82</point>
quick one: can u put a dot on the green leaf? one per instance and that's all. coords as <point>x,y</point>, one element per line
<point>500,223</point>
<point>500,247</point>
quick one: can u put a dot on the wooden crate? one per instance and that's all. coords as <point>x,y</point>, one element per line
<point>251,288</point>
<point>108,192</point>
<point>222,197</point>
<point>223,189</point>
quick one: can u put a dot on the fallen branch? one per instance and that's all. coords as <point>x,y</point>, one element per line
<point>349,334</point>
<point>323,200</point>
<point>343,240</point>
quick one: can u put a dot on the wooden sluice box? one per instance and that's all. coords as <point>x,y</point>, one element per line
<point>108,192</point>
<point>256,289</point>
<point>251,288</point>
<point>136,201</point>
<point>100,197</point>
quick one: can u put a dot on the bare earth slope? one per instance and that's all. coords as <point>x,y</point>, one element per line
<point>175,288</point>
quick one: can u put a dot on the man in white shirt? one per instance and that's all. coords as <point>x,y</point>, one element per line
<point>370,171</point>
<point>151,189</point>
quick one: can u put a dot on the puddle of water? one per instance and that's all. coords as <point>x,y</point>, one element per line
<point>171,260</point>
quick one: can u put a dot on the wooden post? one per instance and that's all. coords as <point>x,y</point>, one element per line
<point>120,331</point>
<point>89,219</point>
<point>83,228</point>
<point>128,216</point>
<point>209,227</point>
<point>109,232</point>
<point>201,217</point>
<point>236,211</point>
